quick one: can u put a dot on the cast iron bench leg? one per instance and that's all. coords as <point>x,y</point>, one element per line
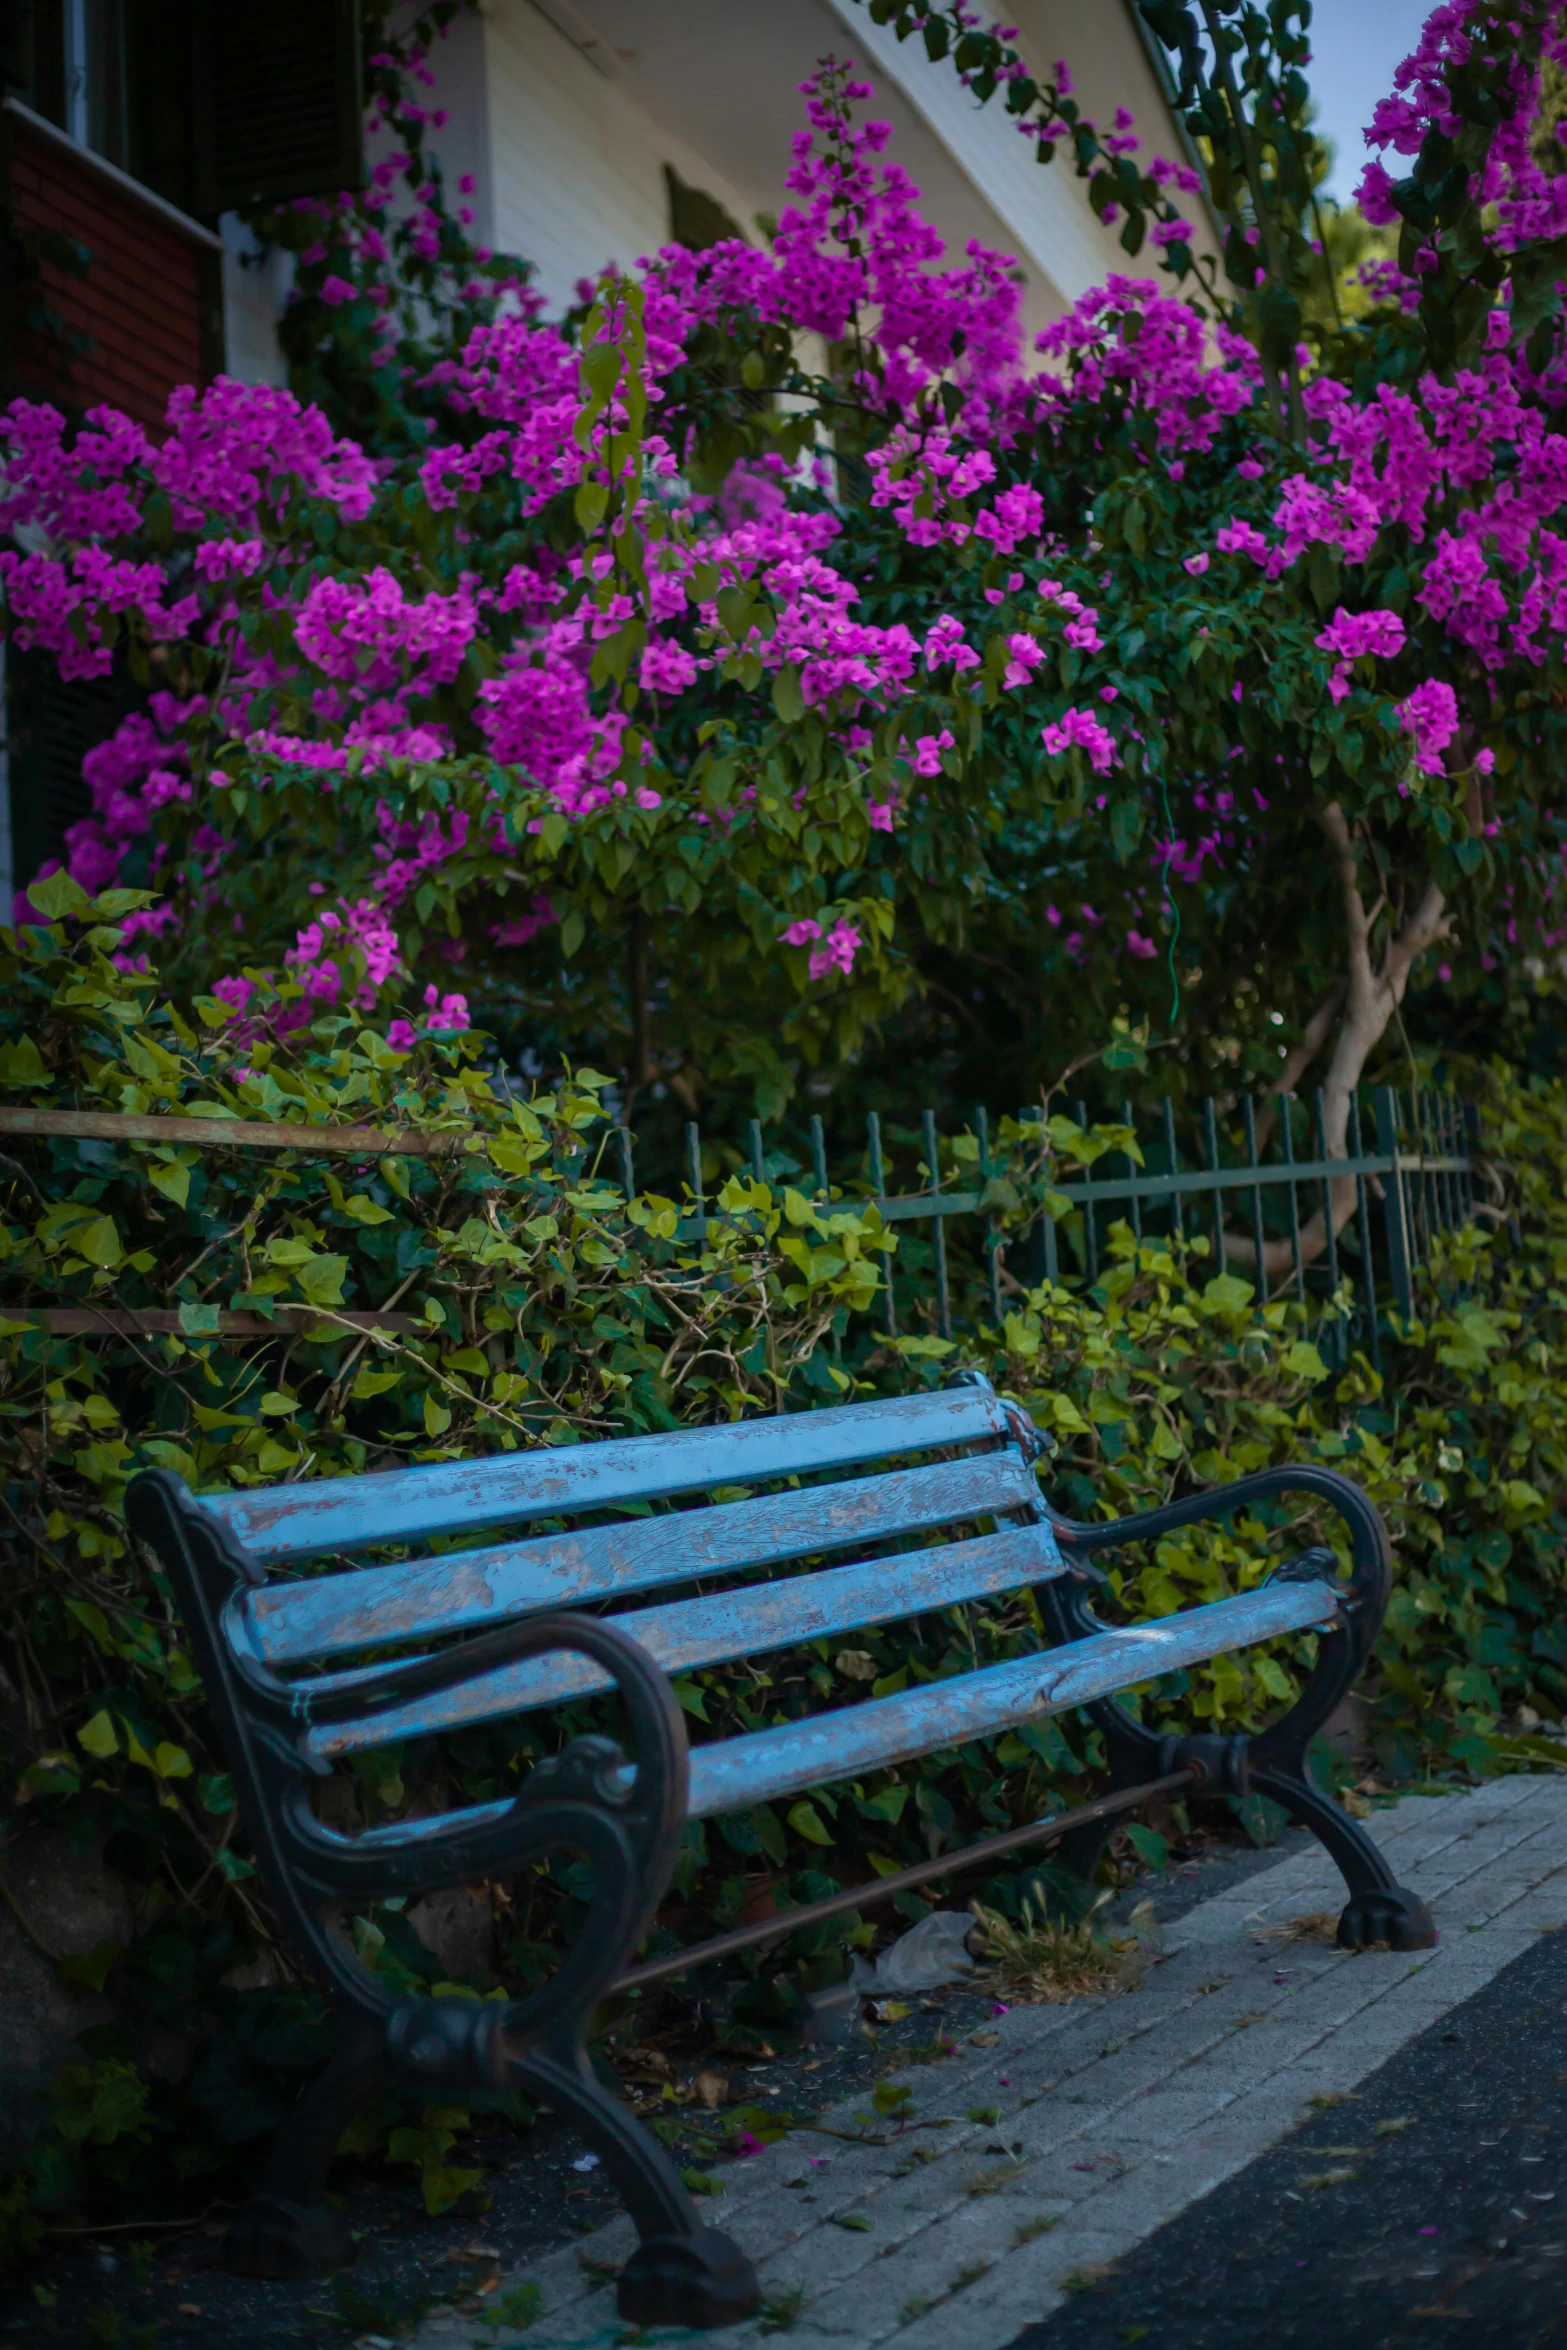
<point>1274,1762</point>
<point>682,2272</point>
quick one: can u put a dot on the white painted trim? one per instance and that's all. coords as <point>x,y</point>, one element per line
<point>1045,210</point>
<point>191,229</point>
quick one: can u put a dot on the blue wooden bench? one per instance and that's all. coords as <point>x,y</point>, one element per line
<point>863,1515</point>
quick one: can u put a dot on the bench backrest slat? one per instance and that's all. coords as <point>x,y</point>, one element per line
<point>710,1631</point>
<point>466,1590</point>
<point>287,1522</point>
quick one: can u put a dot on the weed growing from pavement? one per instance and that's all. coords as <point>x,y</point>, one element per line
<point>994,2181</point>
<point>1042,1960</point>
<point>1040,2225</point>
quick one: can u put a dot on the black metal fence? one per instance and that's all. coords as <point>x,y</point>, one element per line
<point>1412,1157</point>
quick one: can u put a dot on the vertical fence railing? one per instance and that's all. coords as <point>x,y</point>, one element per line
<point>1261,1188</point>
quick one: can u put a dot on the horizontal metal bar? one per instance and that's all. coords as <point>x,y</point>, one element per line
<point>1145,1187</point>
<point>161,1321</point>
<point>225,1133</point>
<point>880,1889</point>
<point>910,1207</point>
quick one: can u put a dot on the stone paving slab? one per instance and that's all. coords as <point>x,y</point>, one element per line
<point>1113,2116</point>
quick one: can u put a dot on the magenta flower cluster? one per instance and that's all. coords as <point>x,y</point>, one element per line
<point>318,672</point>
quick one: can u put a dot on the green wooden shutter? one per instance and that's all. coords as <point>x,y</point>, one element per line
<point>281,104</point>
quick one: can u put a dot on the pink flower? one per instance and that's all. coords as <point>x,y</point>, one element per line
<point>1025,653</point>
<point>837,951</point>
<point>1083,728</point>
<point>665,667</point>
<point>801,933</point>
<point>945,642</point>
<point>1196,565</point>
<point>1352,634</point>
<point>443,1013</point>
<point>1431,715</point>
<point>928,749</point>
<point>401,1036</point>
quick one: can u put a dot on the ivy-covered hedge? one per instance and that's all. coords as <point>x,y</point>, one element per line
<point>529,1302</point>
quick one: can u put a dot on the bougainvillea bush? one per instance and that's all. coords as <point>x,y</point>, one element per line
<point>707,680</point>
<point>525,1299</point>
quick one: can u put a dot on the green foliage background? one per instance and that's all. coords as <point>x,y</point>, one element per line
<point>547,1308</point>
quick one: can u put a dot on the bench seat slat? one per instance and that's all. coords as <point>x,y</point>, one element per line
<point>767,1764</point>
<point>712,1631</point>
<point>402,1505</point>
<point>374,1606</point>
<point>731,1775</point>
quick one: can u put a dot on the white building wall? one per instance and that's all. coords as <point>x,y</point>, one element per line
<point>576,161</point>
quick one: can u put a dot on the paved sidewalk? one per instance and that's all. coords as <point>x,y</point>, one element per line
<point>1085,2128</point>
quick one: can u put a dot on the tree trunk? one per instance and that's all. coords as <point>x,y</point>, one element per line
<point>1369,998</point>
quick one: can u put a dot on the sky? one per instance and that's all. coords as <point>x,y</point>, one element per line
<point>1356,48</point>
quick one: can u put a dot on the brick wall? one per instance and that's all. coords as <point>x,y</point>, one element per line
<point>144,300</point>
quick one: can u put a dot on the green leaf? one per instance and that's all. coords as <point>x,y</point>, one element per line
<point>1225,1294</point>
<point>59,895</point>
<point>856,2220</point>
<point>1150,1847</point>
<point>572,932</point>
<point>322,1280</point>
<point>98,1242</point>
<point>807,1821</point>
<point>21,1063</point>
<point>172,1178</point>
<point>788,700</point>
<point>99,1736</point>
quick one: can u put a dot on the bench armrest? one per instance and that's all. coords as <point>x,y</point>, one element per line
<point>1342,1650</point>
<point>1371,1555</point>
